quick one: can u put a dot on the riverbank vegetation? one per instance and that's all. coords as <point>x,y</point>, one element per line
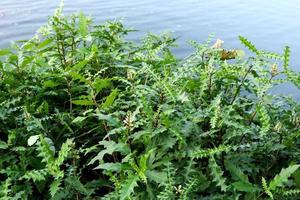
<point>87,114</point>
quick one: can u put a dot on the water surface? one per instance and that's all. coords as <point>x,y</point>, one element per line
<point>270,24</point>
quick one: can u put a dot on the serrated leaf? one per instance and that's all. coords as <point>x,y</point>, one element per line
<point>75,183</point>
<point>82,25</point>
<point>235,172</point>
<point>54,187</point>
<point>111,147</point>
<point>100,84</point>
<point>158,177</point>
<point>110,119</point>
<point>110,99</point>
<point>249,45</point>
<point>114,167</point>
<point>265,187</point>
<point>64,152</point>
<point>286,57</point>
<point>245,187</point>
<point>281,178</point>
<point>217,174</point>
<point>35,175</point>
<point>202,153</point>
<point>128,186</point>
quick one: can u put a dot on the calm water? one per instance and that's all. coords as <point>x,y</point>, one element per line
<point>270,24</point>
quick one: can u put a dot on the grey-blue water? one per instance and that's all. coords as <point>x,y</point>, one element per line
<point>270,24</point>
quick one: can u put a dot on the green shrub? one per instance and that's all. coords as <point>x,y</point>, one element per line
<point>87,114</point>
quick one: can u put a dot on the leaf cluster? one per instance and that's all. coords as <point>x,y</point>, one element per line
<point>86,113</point>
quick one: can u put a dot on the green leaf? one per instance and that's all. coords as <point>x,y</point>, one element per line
<point>75,183</point>
<point>157,177</point>
<point>281,178</point>
<point>114,167</point>
<point>248,44</point>
<point>289,193</point>
<point>286,56</point>
<point>3,145</point>
<point>202,153</point>
<point>78,67</point>
<point>35,175</point>
<point>64,152</point>
<point>110,119</point>
<point>78,120</point>
<point>217,174</point>
<point>245,187</point>
<point>4,52</point>
<point>111,147</point>
<point>236,172</point>
<point>266,188</point>
<point>54,187</point>
<point>128,186</point>
<point>100,84</point>
<point>50,84</point>
<point>83,102</point>
<point>110,99</point>
<point>82,25</point>
<point>45,43</point>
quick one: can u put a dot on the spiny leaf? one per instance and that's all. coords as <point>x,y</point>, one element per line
<point>82,25</point>
<point>46,150</point>
<point>128,187</point>
<point>100,84</point>
<point>112,167</point>
<point>188,189</point>
<point>281,178</point>
<point>236,172</point>
<point>245,187</point>
<point>110,147</point>
<point>295,192</point>
<point>214,120</point>
<point>286,60</point>
<point>249,45</point>
<point>265,119</point>
<point>158,177</point>
<point>5,190</point>
<point>64,152</point>
<point>110,99</point>
<point>266,188</point>
<point>35,175</point>
<point>167,193</point>
<point>217,174</point>
<point>54,187</point>
<point>75,183</point>
<point>202,153</point>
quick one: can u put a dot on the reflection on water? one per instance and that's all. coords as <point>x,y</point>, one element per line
<point>269,24</point>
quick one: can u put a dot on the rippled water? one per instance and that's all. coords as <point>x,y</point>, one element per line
<point>270,24</point>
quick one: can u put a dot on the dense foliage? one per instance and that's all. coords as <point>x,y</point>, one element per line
<point>87,114</point>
